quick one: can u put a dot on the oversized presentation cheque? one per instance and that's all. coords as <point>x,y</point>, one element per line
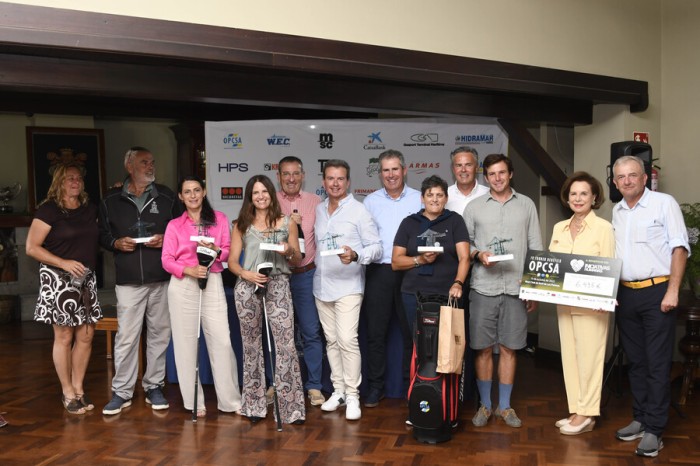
<point>571,279</point>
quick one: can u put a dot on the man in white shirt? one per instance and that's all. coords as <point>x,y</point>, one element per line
<point>465,163</point>
<point>652,241</point>
<point>343,224</point>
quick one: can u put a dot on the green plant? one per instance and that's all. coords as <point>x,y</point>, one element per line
<point>691,215</point>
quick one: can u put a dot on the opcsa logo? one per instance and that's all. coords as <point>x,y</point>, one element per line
<point>234,193</point>
<point>233,141</point>
<point>374,142</point>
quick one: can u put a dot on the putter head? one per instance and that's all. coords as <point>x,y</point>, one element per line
<point>264,268</point>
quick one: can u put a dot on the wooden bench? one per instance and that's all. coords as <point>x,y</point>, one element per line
<point>109,324</point>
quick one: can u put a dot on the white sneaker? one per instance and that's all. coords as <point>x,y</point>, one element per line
<point>336,400</point>
<point>352,410</point>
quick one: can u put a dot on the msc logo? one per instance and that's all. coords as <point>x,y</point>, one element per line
<point>425,137</point>
<point>325,140</point>
<point>234,141</point>
<point>276,140</point>
<point>268,167</point>
<point>373,167</point>
<point>232,193</point>
<point>233,167</point>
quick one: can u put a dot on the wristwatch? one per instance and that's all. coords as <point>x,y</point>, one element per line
<point>415,261</point>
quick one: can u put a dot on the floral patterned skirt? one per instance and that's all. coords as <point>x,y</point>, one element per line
<point>61,303</point>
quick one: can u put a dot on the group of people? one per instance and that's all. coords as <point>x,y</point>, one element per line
<point>358,258</point>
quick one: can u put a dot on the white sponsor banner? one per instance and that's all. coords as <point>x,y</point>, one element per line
<point>237,150</point>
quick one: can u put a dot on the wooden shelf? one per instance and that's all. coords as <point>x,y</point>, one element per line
<point>15,220</point>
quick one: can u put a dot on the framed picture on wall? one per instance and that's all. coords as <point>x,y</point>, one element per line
<point>48,148</point>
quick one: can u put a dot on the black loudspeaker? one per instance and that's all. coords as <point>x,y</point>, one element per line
<point>638,149</point>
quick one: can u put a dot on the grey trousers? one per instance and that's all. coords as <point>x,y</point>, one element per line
<point>134,305</point>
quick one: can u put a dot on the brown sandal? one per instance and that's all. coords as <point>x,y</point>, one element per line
<point>73,405</point>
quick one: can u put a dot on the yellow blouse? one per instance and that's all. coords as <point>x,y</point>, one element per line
<point>596,238</point>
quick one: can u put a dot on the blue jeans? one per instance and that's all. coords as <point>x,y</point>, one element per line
<point>309,325</point>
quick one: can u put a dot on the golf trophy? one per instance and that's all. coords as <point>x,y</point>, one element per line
<point>430,244</point>
<point>7,194</point>
<point>143,231</point>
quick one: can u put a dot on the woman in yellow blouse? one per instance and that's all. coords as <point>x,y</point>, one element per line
<point>583,332</point>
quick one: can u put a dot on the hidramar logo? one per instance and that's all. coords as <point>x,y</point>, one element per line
<point>473,139</point>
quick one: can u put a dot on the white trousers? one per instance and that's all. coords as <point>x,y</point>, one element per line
<point>340,320</point>
<point>183,298</point>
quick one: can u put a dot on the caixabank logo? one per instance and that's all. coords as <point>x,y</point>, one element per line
<point>374,142</point>
<point>473,139</point>
<point>233,141</point>
<point>232,193</point>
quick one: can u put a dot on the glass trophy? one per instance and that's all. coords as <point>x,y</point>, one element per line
<point>142,231</point>
<point>202,233</point>
<point>430,243</point>
<point>271,243</point>
<point>329,245</point>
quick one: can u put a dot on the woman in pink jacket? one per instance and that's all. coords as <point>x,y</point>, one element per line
<point>200,225</point>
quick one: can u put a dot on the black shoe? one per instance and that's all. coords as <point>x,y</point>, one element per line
<point>298,422</point>
<point>373,398</point>
<point>254,419</point>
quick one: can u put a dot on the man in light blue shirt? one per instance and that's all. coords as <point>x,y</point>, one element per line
<point>388,206</point>
<point>344,226</point>
<point>652,241</point>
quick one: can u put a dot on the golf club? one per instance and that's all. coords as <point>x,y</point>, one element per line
<point>266,268</point>
<point>206,257</point>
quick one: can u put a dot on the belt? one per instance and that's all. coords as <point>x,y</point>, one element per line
<point>646,283</point>
<point>306,268</point>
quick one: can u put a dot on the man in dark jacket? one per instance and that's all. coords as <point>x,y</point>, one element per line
<point>132,223</point>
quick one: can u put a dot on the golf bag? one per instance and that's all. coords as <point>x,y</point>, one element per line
<point>432,397</point>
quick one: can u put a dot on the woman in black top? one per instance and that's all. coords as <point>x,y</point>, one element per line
<point>63,238</point>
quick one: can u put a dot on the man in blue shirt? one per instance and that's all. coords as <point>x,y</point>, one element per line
<point>388,206</point>
<point>652,241</point>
